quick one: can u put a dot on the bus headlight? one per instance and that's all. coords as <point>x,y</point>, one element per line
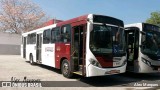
<point>95,62</point>
<point>124,62</point>
<point>146,61</point>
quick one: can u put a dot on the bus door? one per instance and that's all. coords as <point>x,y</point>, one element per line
<point>38,48</point>
<point>24,47</point>
<point>78,49</point>
<point>132,41</point>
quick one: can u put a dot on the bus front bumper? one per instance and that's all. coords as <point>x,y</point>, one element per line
<point>96,71</point>
<point>154,67</point>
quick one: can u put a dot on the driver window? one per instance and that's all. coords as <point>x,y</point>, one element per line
<point>65,33</point>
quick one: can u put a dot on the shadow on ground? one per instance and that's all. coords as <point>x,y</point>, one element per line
<point>126,79</point>
<point>110,80</point>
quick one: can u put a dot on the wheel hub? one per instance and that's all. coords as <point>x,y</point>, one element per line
<point>65,68</point>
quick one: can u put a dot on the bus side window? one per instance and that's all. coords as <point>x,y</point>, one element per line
<point>65,33</point>
<point>55,37</point>
<point>28,39</point>
<point>47,36</point>
<point>31,38</point>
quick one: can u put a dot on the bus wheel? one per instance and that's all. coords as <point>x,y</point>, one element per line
<point>66,70</point>
<point>31,60</point>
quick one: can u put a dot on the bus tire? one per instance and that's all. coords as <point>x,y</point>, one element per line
<point>31,59</point>
<point>65,69</point>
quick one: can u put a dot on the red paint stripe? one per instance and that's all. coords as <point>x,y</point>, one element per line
<point>104,62</point>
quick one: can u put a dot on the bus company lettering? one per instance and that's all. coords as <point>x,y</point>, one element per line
<point>25,79</point>
<point>146,84</point>
<point>25,82</point>
<point>49,49</point>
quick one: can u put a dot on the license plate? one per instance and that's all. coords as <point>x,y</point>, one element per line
<point>112,72</point>
<point>116,63</point>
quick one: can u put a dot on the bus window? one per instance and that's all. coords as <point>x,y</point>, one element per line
<point>65,33</point>
<point>46,36</point>
<point>28,39</point>
<point>55,37</point>
<point>31,38</point>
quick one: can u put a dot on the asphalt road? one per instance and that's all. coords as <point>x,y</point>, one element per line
<point>13,67</point>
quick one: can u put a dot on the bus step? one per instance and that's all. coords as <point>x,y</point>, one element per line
<point>75,58</point>
<point>81,67</point>
<point>78,72</point>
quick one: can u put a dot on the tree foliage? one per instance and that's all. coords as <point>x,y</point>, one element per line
<point>20,15</point>
<point>154,18</point>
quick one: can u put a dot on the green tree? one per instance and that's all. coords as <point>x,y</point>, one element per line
<point>154,18</point>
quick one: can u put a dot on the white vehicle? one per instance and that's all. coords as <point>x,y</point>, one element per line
<point>89,45</point>
<point>143,48</point>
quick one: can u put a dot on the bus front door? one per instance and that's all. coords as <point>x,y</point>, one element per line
<point>78,49</point>
<point>38,48</point>
<point>132,41</point>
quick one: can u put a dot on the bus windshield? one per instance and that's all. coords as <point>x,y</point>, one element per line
<point>151,44</point>
<point>106,39</point>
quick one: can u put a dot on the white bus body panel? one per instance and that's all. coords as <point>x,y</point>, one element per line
<point>31,49</point>
<point>48,54</point>
<point>144,68</point>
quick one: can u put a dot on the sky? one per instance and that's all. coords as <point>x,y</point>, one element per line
<point>130,11</point>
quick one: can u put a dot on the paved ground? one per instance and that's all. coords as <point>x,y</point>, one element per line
<point>15,67</point>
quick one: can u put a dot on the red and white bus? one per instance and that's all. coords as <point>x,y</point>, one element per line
<point>89,45</point>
